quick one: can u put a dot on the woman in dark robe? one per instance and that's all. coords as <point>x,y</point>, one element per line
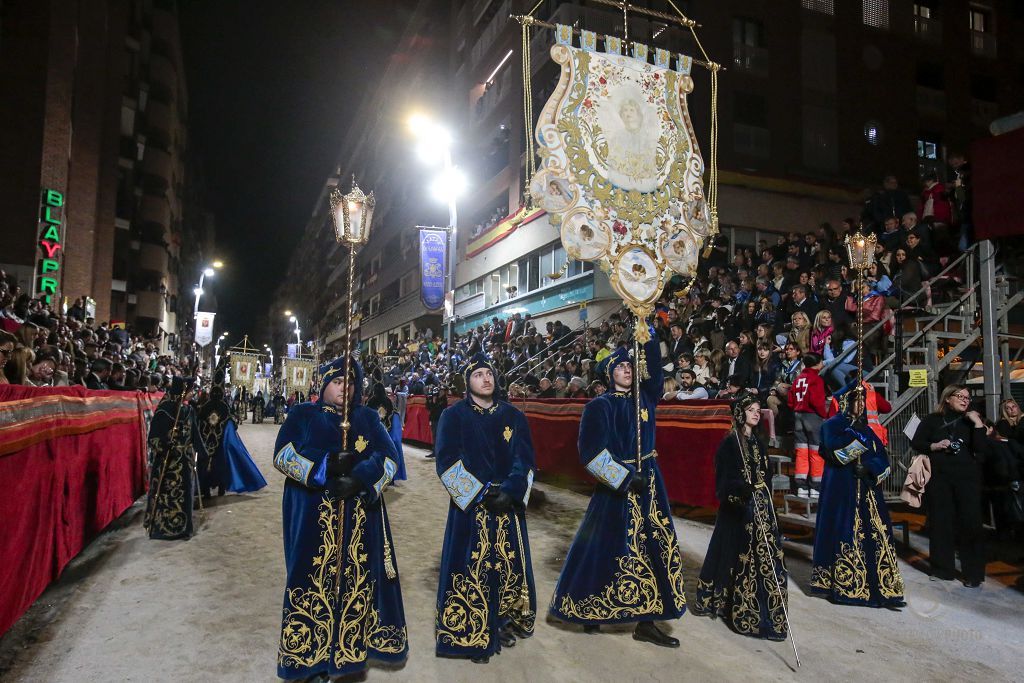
<point>743,580</point>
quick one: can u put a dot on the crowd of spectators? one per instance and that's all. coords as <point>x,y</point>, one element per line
<point>748,321</point>
<point>43,346</point>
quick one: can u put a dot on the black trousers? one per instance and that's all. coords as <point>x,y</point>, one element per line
<point>954,518</point>
<point>433,433</point>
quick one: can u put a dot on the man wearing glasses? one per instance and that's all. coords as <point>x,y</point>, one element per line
<point>953,437</point>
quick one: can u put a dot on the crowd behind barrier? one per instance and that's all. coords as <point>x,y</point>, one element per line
<point>73,460</point>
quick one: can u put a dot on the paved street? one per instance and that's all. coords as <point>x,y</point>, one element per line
<point>130,609</point>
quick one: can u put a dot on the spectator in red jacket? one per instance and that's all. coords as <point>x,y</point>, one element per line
<point>807,399</point>
<point>936,210</point>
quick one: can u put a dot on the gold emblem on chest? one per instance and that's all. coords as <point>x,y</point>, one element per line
<point>361,444</point>
<point>507,433</point>
<point>643,414</point>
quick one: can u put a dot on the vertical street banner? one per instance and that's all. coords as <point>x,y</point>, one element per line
<point>293,350</point>
<point>433,257</point>
<point>204,328</point>
<point>243,369</point>
<point>298,373</point>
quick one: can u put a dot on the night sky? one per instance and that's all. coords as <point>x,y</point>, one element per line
<point>271,87</point>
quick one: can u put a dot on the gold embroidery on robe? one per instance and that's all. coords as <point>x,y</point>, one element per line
<point>671,557</point>
<point>169,517</point>
<point>309,616</point>
<point>634,589</point>
<point>849,575</point>
<point>513,590</point>
<point>890,580</point>
<point>464,619</point>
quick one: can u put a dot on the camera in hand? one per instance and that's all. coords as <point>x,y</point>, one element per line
<point>955,445</point>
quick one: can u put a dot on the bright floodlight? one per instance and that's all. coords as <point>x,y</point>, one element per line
<point>288,313</point>
<point>450,184</point>
<point>218,264</point>
<point>419,124</point>
<point>291,319</point>
<point>197,291</point>
<point>433,147</point>
<point>208,272</point>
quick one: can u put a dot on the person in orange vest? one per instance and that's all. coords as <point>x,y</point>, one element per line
<point>874,405</point>
<point>807,399</point>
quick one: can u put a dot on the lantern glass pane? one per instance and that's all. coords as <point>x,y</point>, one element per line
<point>355,222</point>
<point>339,221</point>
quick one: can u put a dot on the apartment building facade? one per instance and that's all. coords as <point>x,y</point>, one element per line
<point>95,113</point>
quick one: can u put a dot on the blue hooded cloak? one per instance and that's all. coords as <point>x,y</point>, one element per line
<point>624,564</point>
<point>322,634</point>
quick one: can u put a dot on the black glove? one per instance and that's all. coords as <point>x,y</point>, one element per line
<point>497,501</point>
<point>340,464</point>
<point>638,484</point>
<point>343,487</point>
<point>864,473</point>
<point>745,491</point>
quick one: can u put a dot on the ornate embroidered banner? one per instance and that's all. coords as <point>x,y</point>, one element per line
<point>298,374</point>
<point>621,172</point>
<point>243,369</point>
<point>433,260</point>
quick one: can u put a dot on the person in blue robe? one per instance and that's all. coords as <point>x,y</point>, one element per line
<point>486,597</point>
<point>624,566</point>
<point>743,580</point>
<point>213,417</point>
<point>174,442</point>
<point>854,560</point>
<point>331,628</point>
<point>392,422</point>
<point>241,472</point>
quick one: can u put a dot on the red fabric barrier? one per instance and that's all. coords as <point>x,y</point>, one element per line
<point>417,421</point>
<point>688,434</point>
<point>71,461</point>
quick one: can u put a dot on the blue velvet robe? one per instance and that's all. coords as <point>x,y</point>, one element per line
<point>486,579</point>
<point>243,476</point>
<point>624,564</point>
<point>392,422</point>
<point>319,635</point>
<point>743,569</point>
<point>855,560</point>
<point>171,475</point>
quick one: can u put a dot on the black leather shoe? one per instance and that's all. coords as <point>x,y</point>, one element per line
<point>647,632</point>
<point>972,584</point>
<point>480,660</point>
<point>592,628</point>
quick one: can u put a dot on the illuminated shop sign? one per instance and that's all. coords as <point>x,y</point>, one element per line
<point>50,244</point>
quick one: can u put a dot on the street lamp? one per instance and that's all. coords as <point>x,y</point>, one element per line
<point>435,144</point>
<point>861,252</point>
<point>297,331</point>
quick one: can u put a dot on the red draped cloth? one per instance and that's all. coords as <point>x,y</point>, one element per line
<point>688,434</point>
<point>71,461</point>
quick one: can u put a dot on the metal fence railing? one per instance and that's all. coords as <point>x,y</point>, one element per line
<point>900,451</point>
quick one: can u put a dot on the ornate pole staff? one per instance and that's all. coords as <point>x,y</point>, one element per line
<point>353,213</point>
<point>861,251</point>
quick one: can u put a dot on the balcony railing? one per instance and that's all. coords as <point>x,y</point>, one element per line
<point>983,44</point>
<point>928,30</point>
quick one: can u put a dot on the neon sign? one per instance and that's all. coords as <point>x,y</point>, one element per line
<point>52,213</point>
